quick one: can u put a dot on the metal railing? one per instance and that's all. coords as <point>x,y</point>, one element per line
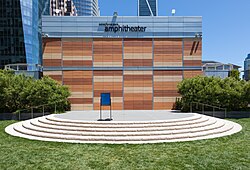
<point>41,110</point>
<point>206,109</point>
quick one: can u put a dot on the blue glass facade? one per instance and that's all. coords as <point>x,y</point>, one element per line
<point>87,7</point>
<point>45,7</point>
<point>147,7</point>
<point>31,17</point>
<point>21,29</point>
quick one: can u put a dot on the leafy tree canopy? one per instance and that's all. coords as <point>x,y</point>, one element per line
<point>230,93</point>
<point>21,92</point>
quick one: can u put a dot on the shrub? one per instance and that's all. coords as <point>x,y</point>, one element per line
<point>21,92</point>
<point>227,93</point>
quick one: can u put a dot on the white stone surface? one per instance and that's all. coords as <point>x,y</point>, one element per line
<point>180,127</point>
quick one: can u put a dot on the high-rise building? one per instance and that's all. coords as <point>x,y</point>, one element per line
<point>74,8</point>
<point>20,32</point>
<point>147,8</point>
<point>247,68</point>
<point>62,8</point>
<point>46,7</point>
<point>87,7</point>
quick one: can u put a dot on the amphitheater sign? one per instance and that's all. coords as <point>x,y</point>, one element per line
<point>122,28</point>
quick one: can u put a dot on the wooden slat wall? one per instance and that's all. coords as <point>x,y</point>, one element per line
<point>108,82</point>
<point>107,53</point>
<point>192,52</point>
<point>168,52</point>
<point>138,52</point>
<point>77,52</point>
<point>81,87</point>
<point>138,90</point>
<point>192,56</point>
<point>56,75</point>
<point>52,52</point>
<point>165,88</point>
<point>130,90</point>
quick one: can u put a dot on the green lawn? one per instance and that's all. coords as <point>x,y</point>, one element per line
<point>231,152</point>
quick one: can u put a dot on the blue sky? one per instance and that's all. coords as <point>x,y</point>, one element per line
<point>226,23</point>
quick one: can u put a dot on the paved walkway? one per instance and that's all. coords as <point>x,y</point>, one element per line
<point>125,115</point>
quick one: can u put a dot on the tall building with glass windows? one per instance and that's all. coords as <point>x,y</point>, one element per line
<point>20,33</point>
<point>87,7</point>
<point>247,68</point>
<point>46,7</point>
<point>74,8</point>
<point>147,7</point>
<point>62,8</point>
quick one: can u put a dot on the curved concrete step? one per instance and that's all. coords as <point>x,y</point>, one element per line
<point>55,119</point>
<point>193,128</point>
<point>217,125</point>
<point>44,120</point>
<point>19,128</point>
<point>37,123</point>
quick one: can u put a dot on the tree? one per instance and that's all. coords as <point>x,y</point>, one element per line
<point>226,93</point>
<point>234,74</point>
<point>22,92</point>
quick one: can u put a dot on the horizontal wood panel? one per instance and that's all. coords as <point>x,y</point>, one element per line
<point>166,93</point>
<point>137,62</point>
<point>81,100</point>
<point>168,73</point>
<point>137,77</point>
<point>192,63</point>
<point>74,63</point>
<point>52,62</point>
<point>108,73</point>
<point>164,106</point>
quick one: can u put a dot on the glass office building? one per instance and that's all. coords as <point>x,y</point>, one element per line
<point>247,68</point>
<point>138,60</point>
<point>20,33</point>
<point>147,8</point>
<point>46,7</point>
<point>87,7</point>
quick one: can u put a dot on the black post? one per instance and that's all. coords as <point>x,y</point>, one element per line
<point>110,112</point>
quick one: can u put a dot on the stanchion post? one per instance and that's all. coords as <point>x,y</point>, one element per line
<point>19,115</point>
<point>32,112</point>
<point>55,107</point>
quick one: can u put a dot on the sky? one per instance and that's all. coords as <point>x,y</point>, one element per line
<point>226,23</point>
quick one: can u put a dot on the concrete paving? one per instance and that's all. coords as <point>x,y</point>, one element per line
<point>125,115</point>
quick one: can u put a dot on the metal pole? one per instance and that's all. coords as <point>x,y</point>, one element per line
<point>110,116</point>
<point>43,110</point>
<point>32,112</point>
<point>55,107</point>
<point>100,112</point>
<point>19,115</point>
<point>191,109</point>
<point>213,111</point>
<point>203,109</point>
<point>225,113</point>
